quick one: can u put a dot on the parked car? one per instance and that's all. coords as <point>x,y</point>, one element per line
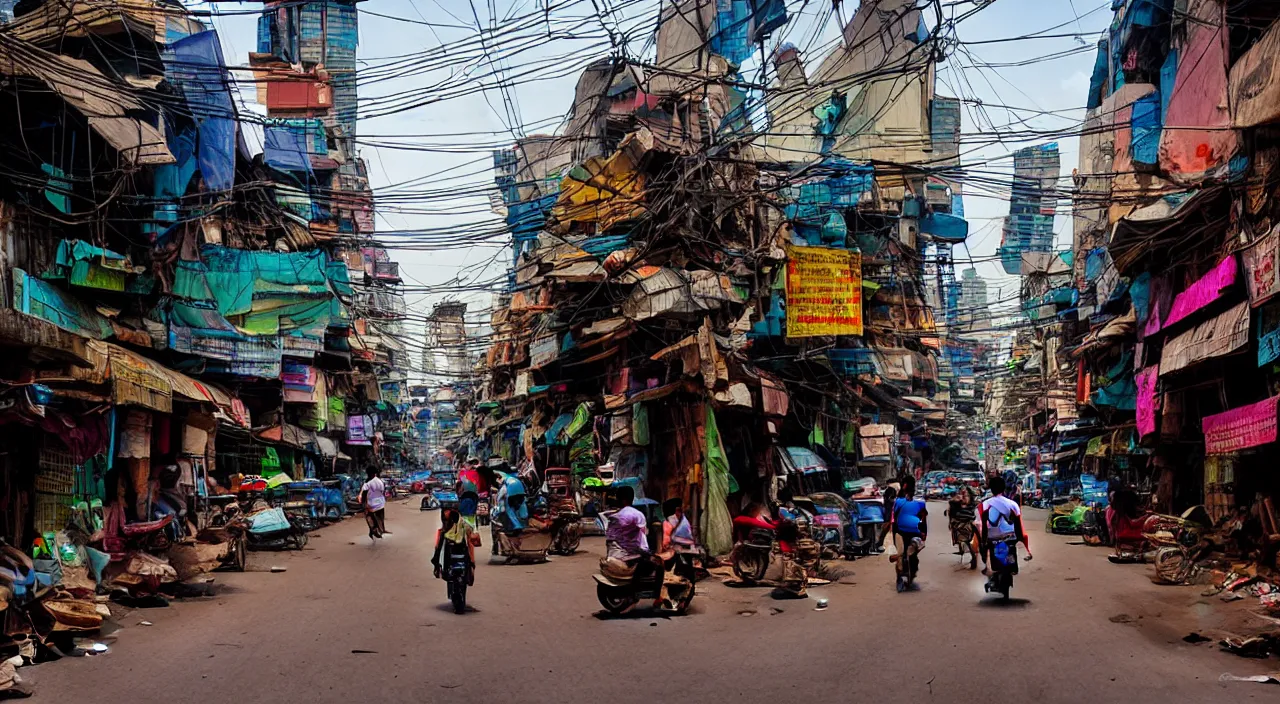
<point>933,485</point>
<point>973,479</point>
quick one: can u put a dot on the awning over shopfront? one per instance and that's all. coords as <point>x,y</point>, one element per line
<point>286,434</point>
<point>140,381</point>
<point>1222,335</point>
<point>44,338</point>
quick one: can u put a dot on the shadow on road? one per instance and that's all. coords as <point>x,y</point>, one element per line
<point>448,607</point>
<point>1010,603</point>
<point>643,612</point>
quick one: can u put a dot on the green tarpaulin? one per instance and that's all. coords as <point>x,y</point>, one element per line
<point>581,419</point>
<point>717,527</point>
<point>265,293</point>
<point>82,264</point>
<point>640,424</point>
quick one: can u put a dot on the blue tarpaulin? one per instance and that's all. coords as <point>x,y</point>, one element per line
<point>1268,333</point>
<point>200,74</point>
<point>557,427</point>
<point>263,293</point>
<point>1168,80</point>
<point>731,36</point>
<point>1147,124</point>
<point>1117,387</point>
<point>1098,81</point>
<point>285,149</point>
<point>170,181</point>
<point>766,16</point>
<point>945,227</point>
<point>1140,294</point>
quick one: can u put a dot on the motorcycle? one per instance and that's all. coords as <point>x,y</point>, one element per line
<point>908,564</point>
<point>757,555</point>
<point>566,532</point>
<point>455,579</point>
<point>829,521</point>
<point>529,544</point>
<point>617,588</point>
<point>272,529</point>
<point>1068,520</point>
<point>963,532</point>
<point>1004,564</point>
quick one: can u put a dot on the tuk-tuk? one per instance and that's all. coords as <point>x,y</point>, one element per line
<point>445,491</point>
<point>328,496</point>
<point>350,487</point>
<point>831,519</point>
<point>301,504</point>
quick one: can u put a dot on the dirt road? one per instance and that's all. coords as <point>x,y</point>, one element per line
<point>350,621</point>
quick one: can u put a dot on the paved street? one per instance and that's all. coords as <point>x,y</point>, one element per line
<point>534,636</point>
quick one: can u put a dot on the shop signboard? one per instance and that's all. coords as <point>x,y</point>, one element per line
<point>1146,380</point>
<point>1262,273</point>
<point>1204,291</point>
<point>544,350</point>
<point>1240,428</point>
<point>1268,333</point>
<point>824,292</point>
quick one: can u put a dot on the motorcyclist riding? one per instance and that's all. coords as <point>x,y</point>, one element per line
<point>454,537</point>
<point>626,537</point>
<point>1000,519</point>
<point>910,525</point>
<point>963,511</point>
<point>468,487</point>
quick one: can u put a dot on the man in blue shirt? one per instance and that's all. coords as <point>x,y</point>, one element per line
<point>910,524</point>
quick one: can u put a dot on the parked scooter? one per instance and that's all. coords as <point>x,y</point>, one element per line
<point>272,529</point>
<point>617,588</point>
<point>757,554</point>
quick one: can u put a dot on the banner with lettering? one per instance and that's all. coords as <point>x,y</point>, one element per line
<point>1238,428</point>
<point>824,292</point>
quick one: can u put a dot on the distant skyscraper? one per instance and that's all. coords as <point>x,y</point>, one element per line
<point>1027,243</point>
<point>447,339</point>
<point>974,313</point>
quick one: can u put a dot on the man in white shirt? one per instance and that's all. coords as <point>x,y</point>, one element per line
<point>1000,518</point>
<point>373,496</point>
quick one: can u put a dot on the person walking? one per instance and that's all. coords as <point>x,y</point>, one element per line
<point>373,497</point>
